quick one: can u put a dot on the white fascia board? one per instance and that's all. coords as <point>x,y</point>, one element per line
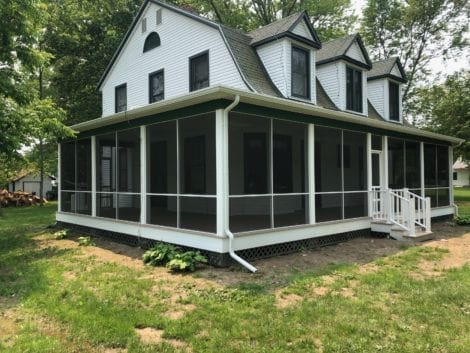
<point>223,92</point>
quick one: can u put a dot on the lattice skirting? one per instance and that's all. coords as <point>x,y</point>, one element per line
<point>224,259</point>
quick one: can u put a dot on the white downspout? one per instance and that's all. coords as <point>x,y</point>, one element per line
<point>229,234</point>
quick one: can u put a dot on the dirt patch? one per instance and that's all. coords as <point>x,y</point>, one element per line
<point>9,325</point>
<point>320,291</point>
<point>178,313</point>
<point>152,336</point>
<point>459,251</point>
<point>286,300</point>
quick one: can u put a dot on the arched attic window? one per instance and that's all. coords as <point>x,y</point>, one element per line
<point>152,41</point>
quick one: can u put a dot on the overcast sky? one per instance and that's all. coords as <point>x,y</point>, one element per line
<point>437,64</point>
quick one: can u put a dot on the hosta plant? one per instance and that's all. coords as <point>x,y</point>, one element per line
<point>160,254</point>
<point>187,261</point>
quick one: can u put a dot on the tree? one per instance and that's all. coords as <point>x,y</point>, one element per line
<point>45,121</point>
<point>445,108</point>
<point>416,31</point>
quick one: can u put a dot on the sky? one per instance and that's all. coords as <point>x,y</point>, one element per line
<point>437,64</point>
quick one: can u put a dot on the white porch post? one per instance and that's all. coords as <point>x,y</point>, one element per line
<point>311,173</point>
<point>143,174</point>
<point>59,179</point>
<point>451,179</point>
<point>369,173</point>
<point>93,176</point>
<point>421,166</point>
<point>221,162</point>
<point>385,159</point>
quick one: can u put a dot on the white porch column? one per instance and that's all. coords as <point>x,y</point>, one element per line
<point>451,178</point>
<point>385,159</point>
<point>59,179</point>
<point>221,162</point>
<point>143,174</point>
<point>311,173</point>
<point>93,176</point>
<point>421,166</point>
<point>369,173</point>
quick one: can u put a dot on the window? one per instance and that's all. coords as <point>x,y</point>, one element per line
<point>158,17</point>
<point>300,66</point>
<point>121,98</point>
<point>353,89</point>
<point>144,25</point>
<point>156,86</point>
<point>454,176</point>
<point>152,41</point>
<point>394,101</point>
<point>436,174</point>
<point>199,71</point>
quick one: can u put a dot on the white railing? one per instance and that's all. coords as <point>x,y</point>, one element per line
<point>403,208</point>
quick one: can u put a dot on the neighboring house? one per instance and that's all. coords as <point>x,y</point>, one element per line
<point>261,142</point>
<point>461,174</point>
<point>30,182</point>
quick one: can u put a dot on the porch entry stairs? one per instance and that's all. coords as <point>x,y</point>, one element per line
<point>401,213</point>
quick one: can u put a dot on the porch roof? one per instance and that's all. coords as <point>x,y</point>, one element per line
<point>263,101</point>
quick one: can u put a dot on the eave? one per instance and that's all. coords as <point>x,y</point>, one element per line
<point>226,93</point>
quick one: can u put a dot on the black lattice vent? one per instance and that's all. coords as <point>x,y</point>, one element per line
<point>298,245</point>
<point>117,237</point>
<point>445,218</point>
<point>380,235</point>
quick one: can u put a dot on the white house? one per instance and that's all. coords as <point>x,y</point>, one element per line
<point>461,174</point>
<point>261,143</point>
<point>30,182</point>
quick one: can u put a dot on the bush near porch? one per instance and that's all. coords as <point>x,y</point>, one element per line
<point>462,200</point>
<point>58,297</point>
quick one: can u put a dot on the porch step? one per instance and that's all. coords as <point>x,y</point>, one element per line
<point>399,233</point>
<point>421,236</point>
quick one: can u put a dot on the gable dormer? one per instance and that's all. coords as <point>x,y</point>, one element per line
<point>342,65</point>
<point>384,86</point>
<point>287,50</point>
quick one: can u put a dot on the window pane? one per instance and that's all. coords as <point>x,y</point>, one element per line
<point>162,159</point>
<point>129,207</point>
<point>250,213</point>
<point>249,155</point>
<point>121,98</point>
<point>106,205</point>
<point>357,91</point>
<point>300,73</point>
<point>354,160</point>
<point>394,101</point>
<point>106,162</point>
<point>430,176</point>
<point>67,168</point>
<point>353,89</point>
<point>376,170</point>
<point>289,144</point>
<point>84,164</point>
<point>328,207</point>
<point>198,213</point>
<point>442,166</point>
<point>162,210</point>
<point>83,202</point>
<point>396,164</point>
<point>290,210</point>
<point>413,165</point>
<point>432,194</point>
<point>443,197</point>
<point>67,202</point>
<point>327,159</point>
<point>128,151</point>
<point>197,155</point>
<point>156,87</point>
<point>377,142</point>
<point>355,205</point>
<point>199,67</point>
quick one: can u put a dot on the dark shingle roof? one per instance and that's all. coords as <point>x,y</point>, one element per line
<point>336,49</point>
<point>274,28</point>
<point>384,68</point>
<point>249,62</point>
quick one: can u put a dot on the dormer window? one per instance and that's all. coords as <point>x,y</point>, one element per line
<point>199,71</point>
<point>152,41</point>
<point>121,98</point>
<point>300,73</point>
<point>394,101</point>
<point>353,89</point>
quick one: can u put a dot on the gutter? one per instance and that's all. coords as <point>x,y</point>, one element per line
<point>229,234</point>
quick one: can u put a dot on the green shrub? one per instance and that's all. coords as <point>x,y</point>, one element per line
<point>85,241</point>
<point>160,254</point>
<point>186,261</point>
<point>61,234</point>
<point>462,220</point>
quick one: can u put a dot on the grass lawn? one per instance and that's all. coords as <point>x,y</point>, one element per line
<point>58,297</point>
<point>462,200</point>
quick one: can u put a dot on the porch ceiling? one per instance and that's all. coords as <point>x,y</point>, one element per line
<point>226,93</point>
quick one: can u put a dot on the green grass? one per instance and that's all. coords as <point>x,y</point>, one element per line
<point>102,304</point>
<point>462,200</point>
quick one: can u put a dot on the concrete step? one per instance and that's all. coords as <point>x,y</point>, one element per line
<point>420,236</point>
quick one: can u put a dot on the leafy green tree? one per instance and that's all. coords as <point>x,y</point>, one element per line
<point>416,31</point>
<point>445,108</point>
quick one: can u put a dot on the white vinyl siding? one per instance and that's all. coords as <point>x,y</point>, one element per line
<point>395,71</point>
<point>375,92</point>
<point>332,78</point>
<point>302,30</point>
<point>354,52</point>
<point>275,57</point>
<point>181,37</point>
